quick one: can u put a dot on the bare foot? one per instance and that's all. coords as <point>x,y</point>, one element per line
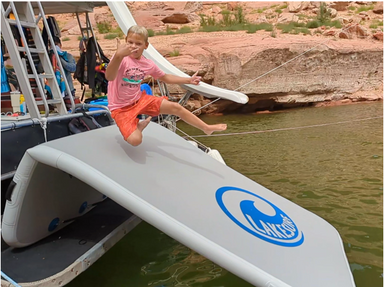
<point>215,128</point>
<point>143,124</point>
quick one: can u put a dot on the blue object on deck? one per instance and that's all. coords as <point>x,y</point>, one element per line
<point>102,102</point>
<point>4,79</point>
<point>146,88</point>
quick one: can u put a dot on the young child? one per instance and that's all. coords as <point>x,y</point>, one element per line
<point>126,70</point>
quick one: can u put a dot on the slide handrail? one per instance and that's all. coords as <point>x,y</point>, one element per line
<point>125,20</point>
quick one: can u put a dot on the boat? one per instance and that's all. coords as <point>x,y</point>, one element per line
<point>67,206</point>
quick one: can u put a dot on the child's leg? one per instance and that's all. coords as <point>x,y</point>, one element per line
<point>172,108</point>
<point>136,137</point>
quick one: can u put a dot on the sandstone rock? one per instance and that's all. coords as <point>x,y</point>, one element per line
<point>232,6</point>
<point>329,33</point>
<point>287,18</point>
<point>193,6</point>
<point>378,36</point>
<point>339,5</point>
<point>180,18</point>
<point>333,12</point>
<point>294,7</point>
<point>378,9</point>
<point>361,31</point>
<point>316,3</point>
<point>216,9</point>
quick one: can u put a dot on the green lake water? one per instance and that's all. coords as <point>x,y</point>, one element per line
<point>328,160</point>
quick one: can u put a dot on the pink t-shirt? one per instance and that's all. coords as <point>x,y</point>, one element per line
<point>124,90</point>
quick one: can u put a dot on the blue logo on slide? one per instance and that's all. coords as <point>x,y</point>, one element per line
<point>258,216</point>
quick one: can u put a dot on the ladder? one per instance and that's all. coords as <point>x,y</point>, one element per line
<point>25,18</point>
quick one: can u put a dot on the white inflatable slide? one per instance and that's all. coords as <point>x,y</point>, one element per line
<point>125,20</point>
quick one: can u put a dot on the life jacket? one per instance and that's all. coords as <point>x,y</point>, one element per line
<point>89,70</point>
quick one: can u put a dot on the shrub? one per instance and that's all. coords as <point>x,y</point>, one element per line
<point>111,36</point>
<point>119,32</point>
<point>66,39</point>
<point>203,20</point>
<point>375,24</point>
<point>293,28</point>
<point>227,21</point>
<point>324,13</point>
<point>239,16</point>
<point>184,30</point>
<point>151,33</point>
<point>174,53</point>
<point>364,8</point>
<point>252,28</point>
<point>313,24</point>
<point>104,27</point>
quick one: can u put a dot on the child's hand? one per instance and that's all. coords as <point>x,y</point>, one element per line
<point>195,79</point>
<point>125,49</point>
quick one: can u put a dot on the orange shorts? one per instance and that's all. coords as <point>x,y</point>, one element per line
<point>126,117</point>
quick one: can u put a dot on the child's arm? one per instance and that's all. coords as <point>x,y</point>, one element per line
<point>113,67</point>
<point>172,79</point>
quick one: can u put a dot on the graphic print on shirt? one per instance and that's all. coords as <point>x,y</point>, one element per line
<point>133,77</point>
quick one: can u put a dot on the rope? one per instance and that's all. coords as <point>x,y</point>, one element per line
<point>43,124</point>
<point>9,279</point>
<point>187,135</point>
<point>285,129</point>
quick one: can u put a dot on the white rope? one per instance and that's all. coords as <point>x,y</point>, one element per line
<point>43,124</point>
<point>187,135</point>
<point>286,129</point>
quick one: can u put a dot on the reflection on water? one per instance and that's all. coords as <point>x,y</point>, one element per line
<point>334,171</point>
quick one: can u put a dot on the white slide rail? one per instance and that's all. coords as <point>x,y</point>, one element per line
<point>125,20</point>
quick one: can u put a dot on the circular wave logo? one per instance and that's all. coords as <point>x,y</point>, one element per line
<point>259,216</point>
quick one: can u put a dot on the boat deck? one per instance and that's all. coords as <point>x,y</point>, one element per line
<point>66,253</point>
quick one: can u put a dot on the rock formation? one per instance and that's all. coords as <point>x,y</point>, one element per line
<point>276,70</point>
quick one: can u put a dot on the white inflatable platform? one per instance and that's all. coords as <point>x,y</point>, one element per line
<point>235,222</point>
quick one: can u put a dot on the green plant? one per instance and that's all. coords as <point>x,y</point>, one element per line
<point>364,8</point>
<point>210,29</point>
<point>239,16</point>
<point>119,32</point>
<point>169,31</point>
<point>351,8</point>
<point>227,19</point>
<point>293,28</point>
<point>261,10</point>
<point>79,38</point>
<point>313,24</point>
<point>174,53</point>
<point>211,21</point>
<point>104,27</point>
<point>184,30</point>
<point>324,13</point>
<point>151,33</point>
<point>203,20</point>
<point>375,24</point>
<point>252,28</point>
<point>65,39</point>
<point>278,11</point>
<point>111,36</point>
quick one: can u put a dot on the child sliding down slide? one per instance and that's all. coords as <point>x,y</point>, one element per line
<point>125,72</point>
